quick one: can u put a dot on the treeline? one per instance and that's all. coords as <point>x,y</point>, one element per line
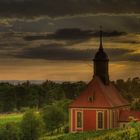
<point>130,88</point>
<point>27,95</point>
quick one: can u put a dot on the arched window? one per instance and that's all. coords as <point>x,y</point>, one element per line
<point>100,120</point>
<point>79,119</point>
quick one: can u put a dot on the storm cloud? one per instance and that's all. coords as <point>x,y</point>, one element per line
<point>59,47</point>
<point>61,52</point>
<point>55,8</point>
<point>73,34</point>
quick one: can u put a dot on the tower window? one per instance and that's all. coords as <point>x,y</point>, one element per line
<point>79,119</point>
<point>100,120</point>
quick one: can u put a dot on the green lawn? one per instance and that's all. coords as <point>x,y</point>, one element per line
<point>77,136</point>
<point>5,118</point>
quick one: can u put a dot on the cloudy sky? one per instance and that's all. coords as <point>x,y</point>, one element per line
<point>57,39</point>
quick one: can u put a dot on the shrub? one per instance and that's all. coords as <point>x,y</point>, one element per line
<point>66,129</point>
<point>24,109</point>
<point>53,117</point>
<point>10,131</point>
<point>132,133</point>
<point>32,126</point>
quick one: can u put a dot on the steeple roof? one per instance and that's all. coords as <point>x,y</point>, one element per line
<point>101,38</point>
<point>101,55</point>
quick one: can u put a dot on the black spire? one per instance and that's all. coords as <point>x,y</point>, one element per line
<point>101,38</point>
<point>101,62</point>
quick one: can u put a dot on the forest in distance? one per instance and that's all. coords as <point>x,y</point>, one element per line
<point>16,98</point>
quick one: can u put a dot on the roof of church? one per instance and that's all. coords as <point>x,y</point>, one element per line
<point>126,115</point>
<point>99,95</point>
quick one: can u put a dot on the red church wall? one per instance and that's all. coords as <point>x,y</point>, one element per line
<point>89,120</point>
<point>115,117</point>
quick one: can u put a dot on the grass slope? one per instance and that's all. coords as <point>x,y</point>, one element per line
<point>6,118</point>
<point>130,133</point>
<point>77,136</point>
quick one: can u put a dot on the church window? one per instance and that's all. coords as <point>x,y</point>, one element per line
<point>79,119</point>
<point>100,120</point>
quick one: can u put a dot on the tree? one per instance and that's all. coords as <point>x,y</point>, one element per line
<point>53,117</point>
<point>10,131</point>
<point>63,105</point>
<point>32,125</point>
<point>33,96</point>
<point>72,90</point>
<point>21,96</point>
<point>135,105</point>
<point>130,88</point>
<point>53,91</point>
<point>7,97</point>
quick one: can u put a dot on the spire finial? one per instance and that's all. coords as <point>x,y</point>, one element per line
<point>101,40</point>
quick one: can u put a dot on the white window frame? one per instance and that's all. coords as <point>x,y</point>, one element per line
<point>97,128</point>
<point>76,112</point>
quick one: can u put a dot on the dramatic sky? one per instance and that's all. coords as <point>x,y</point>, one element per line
<point>57,39</point>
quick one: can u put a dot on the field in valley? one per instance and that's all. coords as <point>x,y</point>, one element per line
<point>6,118</point>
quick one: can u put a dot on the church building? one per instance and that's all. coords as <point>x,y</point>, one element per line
<point>100,106</point>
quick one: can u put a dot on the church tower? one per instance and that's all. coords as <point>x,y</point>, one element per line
<point>100,105</point>
<point>101,61</point>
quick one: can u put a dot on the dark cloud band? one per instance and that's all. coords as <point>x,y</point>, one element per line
<point>60,52</point>
<point>54,8</point>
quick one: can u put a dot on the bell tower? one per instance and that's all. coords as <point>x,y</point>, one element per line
<point>101,61</point>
